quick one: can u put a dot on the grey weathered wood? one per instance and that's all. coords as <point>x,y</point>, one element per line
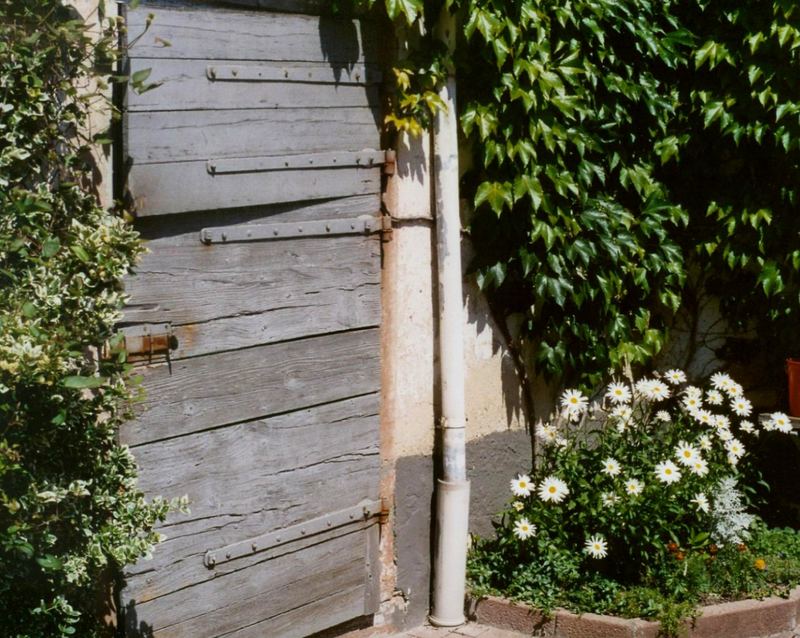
<point>330,441</point>
<point>211,391</point>
<point>239,295</point>
<point>155,187</point>
<point>165,232</point>
<point>241,599</point>
<point>185,86</point>
<point>219,34</point>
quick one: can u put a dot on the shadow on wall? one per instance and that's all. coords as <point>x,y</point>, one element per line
<point>131,627</point>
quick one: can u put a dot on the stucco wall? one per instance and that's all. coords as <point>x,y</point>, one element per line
<point>498,442</point>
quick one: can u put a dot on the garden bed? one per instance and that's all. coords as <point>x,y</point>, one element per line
<point>768,618</point>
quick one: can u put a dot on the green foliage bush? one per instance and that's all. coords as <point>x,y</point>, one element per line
<point>70,511</point>
<point>639,507</point>
<point>621,150</point>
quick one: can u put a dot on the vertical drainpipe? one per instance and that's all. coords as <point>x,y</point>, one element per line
<point>452,498</point>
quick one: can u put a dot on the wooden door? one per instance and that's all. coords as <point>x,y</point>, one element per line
<point>256,172</point>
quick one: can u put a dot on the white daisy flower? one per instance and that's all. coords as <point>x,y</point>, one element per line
<point>675,376</point>
<point>611,467</point>
<point>618,393</point>
<point>704,442</point>
<point>655,391</point>
<point>686,453</point>
<point>518,505</point>
<point>553,489</point>
<point>608,499</point>
<point>642,385</point>
<point>692,403</point>
<point>634,487</point>
<point>694,392</point>
<point>546,433</point>
<point>734,390</point>
<point>720,380</point>
<point>721,422</point>
<point>714,397</point>
<point>667,472</point>
<point>724,434</point>
<point>780,422</point>
<point>699,467</point>
<point>741,406</point>
<point>574,402</point>
<point>596,547</point>
<point>747,426</point>
<point>521,486</point>
<point>524,529</point>
<point>622,412</point>
<point>701,500</point>
<point>735,447</point>
<point>663,415</point>
<point>733,459</point>
<point>561,442</point>
<point>704,417</point>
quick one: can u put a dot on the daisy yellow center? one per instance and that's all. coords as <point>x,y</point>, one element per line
<point>687,454</point>
<point>573,400</point>
<point>596,547</point>
<point>523,484</point>
<point>667,471</point>
<point>552,489</point>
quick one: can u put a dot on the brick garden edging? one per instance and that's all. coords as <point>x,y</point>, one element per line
<point>768,618</point>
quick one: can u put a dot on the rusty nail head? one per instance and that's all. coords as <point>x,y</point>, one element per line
<point>254,546</point>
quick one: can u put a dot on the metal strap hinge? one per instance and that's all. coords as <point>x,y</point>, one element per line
<point>367,158</point>
<point>364,511</point>
<point>265,232</point>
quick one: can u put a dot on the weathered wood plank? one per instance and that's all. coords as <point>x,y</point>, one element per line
<point>243,598</point>
<point>200,135</point>
<point>156,192</point>
<point>301,447</point>
<point>277,290</point>
<point>165,231</point>
<point>211,391</point>
<point>181,565</point>
<point>330,611</point>
<point>232,296</point>
<point>197,33</point>
<point>185,86</point>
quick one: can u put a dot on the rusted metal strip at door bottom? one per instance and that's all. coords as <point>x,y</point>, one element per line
<point>365,510</point>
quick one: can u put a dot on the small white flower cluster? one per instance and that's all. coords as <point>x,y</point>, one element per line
<point>778,422</point>
<point>701,427</point>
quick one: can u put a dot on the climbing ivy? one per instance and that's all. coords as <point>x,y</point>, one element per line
<point>617,146</point>
<point>739,169</point>
<point>568,112</point>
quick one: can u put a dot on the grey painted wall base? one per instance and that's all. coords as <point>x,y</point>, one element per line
<point>491,461</point>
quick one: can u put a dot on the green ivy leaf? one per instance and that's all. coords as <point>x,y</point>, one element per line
<point>498,195</point>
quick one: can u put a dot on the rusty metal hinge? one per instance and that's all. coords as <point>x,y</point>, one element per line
<point>148,341</point>
<point>390,162</point>
<point>386,227</point>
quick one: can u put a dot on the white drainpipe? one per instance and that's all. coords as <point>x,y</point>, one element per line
<point>452,499</point>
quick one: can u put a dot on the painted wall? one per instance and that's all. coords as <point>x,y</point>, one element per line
<point>498,443</point>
